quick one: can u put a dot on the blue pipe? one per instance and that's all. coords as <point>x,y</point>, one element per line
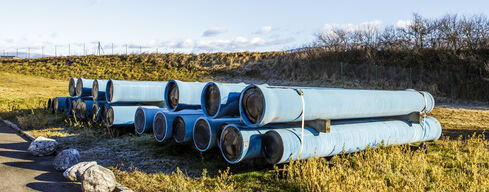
<point>122,115</point>
<point>239,142</point>
<point>86,109</point>
<point>183,126</point>
<point>72,86</point>
<point>207,131</point>
<point>163,123</point>
<point>84,87</point>
<point>148,92</point>
<point>143,119</point>
<point>103,113</point>
<point>262,104</point>
<point>59,104</point>
<point>98,89</point>
<point>97,110</point>
<point>181,95</point>
<point>221,99</point>
<point>281,145</point>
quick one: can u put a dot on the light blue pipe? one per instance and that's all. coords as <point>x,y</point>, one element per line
<point>221,99</point>
<point>72,86</point>
<point>281,145</point>
<point>84,87</point>
<point>149,92</point>
<point>262,104</point>
<point>183,126</point>
<point>163,123</point>
<point>143,118</point>
<point>181,95</point>
<point>122,115</point>
<point>59,104</point>
<point>98,89</point>
<point>207,131</point>
<point>239,142</point>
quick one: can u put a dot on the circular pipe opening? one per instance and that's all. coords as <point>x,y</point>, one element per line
<point>159,126</point>
<point>202,134</point>
<point>231,143</point>
<point>253,104</point>
<point>79,87</point>
<point>173,95</point>
<point>95,112</point>
<point>71,87</point>
<point>139,121</point>
<point>179,129</point>
<point>273,147</point>
<point>212,99</point>
<point>55,105</point>
<point>110,91</point>
<point>110,117</point>
<point>95,89</point>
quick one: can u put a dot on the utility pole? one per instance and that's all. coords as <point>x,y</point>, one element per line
<point>140,49</point>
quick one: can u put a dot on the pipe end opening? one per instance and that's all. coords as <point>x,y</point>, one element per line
<point>253,104</point>
<point>95,89</point>
<point>159,127</point>
<point>173,95</point>
<point>72,87</point>
<point>212,99</point>
<point>202,134</point>
<point>273,147</point>
<point>139,121</point>
<point>179,129</point>
<point>110,91</point>
<point>231,143</point>
<point>79,87</point>
<point>110,117</point>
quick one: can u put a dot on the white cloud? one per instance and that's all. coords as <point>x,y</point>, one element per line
<point>264,30</point>
<point>403,23</point>
<point>214,31</point>
<point>364,26</point>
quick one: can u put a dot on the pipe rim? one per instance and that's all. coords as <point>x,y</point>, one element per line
<point>211,110</point>
<point>159,126</point>
<point>110,116</point>
<point>95,112</point>
<point>79,87</point>
<point>55,105</point>
<point>202,131</point>
<point>95,89</point>
<point>172,95</point>
<point>109,92</point>
<point>272,146</point>
<point>72,87</point>
<point>231,135</point>
<point>103,114</point>
<point>179,129</point>
<point>245,111</point>
<point>140,121</point>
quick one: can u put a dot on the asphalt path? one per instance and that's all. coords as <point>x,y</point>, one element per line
<point>20,171</point>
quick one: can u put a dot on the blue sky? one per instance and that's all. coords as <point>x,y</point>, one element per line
<point>198,26</point>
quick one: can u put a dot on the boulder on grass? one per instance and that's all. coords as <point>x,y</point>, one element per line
<point>75,172</point>
<point>98,178</point>
<point>66,159</point>
<point>42,146</point>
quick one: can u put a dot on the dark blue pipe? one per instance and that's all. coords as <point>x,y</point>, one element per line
<point>163,123</point>
<point>221,99</point>
<point>183,127</point>
<point>207,131</point>
<point>143,118</point>
<point>239,142</point>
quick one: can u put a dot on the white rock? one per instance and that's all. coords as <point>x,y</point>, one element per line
<point>42,146</point>
<point>75,172</point>
<point>121,188</point>
<point>98,179</point>
<point>66,159</point>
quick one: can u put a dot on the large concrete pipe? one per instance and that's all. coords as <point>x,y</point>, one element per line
<point>72,86</point>
<point>84,87</point>
<point>181,95</point>
<point>281,145</point>
<point>148,92</point>
<point>207,131</point>
<point>262,104</point>
<point>98,89</point>
<point>221,99</point>
<point>163,123</point>
<point>239,143</point>
<point>117,116</point>
<point>183,127</point>
<point>143,118</point>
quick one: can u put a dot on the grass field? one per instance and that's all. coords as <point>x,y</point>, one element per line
<point>450,164</point>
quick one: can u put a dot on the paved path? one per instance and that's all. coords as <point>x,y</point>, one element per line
<point>20,171</point>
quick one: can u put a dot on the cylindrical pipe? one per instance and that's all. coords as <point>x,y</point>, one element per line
<point>207,131</point>
<point>183,127</point>
<point>72,86</point>
<point>103,113</point>
<point>71,105</point>
<point>163,123</point>
<point>97,107</point>
<point>85,109</point>
<point>181,95</point>
<point>281,145</point>
<point>121,115</point>
<point>84,87</point>
<point>262,104</point>
<point>221,99</point>
<point>98,89</point>
<point>143,119</point>
<point>239,143</point>
<point>148,92</point>
<point>59,104</point>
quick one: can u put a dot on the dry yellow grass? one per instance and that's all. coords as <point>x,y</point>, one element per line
<point>464,119</point>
